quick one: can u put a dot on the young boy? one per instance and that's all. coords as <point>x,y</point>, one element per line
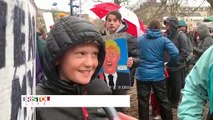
<point>114,24</point>
<point>73,56</point>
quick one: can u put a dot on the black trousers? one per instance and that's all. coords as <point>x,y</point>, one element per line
<point>159,88</point>
<point>175,83</point>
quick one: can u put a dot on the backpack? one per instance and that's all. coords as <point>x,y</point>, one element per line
<point>189,52</point>
<point>189,41</point>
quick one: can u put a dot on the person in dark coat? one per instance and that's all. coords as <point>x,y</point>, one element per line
<point>205,40</point>
<point>150,73</point>
<point>182,26</point>
<point>176,72</point>
<point>73,56</point>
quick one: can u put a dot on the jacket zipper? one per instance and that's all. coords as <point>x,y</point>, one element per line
<point>84,109</point>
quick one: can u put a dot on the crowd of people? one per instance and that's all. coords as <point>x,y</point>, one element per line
<point>74,52</point>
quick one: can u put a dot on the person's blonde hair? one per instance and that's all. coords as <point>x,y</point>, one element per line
<point>112,43</point>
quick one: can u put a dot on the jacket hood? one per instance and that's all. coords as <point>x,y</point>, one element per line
<point>66,33</point>
<point>171,34</point>
<point>172,20</point>
<point>152,34</point>
<point>203,30</point>
<point>122,28</point>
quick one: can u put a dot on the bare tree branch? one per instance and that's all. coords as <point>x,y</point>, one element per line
<point>211,3</point>
<point>117,2</point>
<point>186,14</point>
<point>163,5</point>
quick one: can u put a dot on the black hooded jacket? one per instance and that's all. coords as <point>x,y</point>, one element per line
<point>180,41</point>
<point>66,33</point>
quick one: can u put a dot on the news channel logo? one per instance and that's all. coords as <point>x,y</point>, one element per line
<point>34,100</point>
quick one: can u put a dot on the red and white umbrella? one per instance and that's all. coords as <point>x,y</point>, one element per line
<point>135,26</point>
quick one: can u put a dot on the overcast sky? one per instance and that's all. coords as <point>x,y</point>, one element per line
<point>87,4</point>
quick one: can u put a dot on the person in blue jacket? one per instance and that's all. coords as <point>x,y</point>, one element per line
<point>198,89</point>
<point>150,72</point>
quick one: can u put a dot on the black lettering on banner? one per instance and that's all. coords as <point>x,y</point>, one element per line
<point>30,79</point>
<point>34,38</point>
<point>19,37</point>
<point>3,23</point>
<point>15,98</point>
<point>17,91</point>
<point>19,59</point>
<point>31,43</point>
<point>24,86</point>
<point>24,92</point>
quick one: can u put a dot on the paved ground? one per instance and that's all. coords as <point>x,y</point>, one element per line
<point>133,111</point>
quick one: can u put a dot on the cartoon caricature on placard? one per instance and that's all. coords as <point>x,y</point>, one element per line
<point>115,71</point>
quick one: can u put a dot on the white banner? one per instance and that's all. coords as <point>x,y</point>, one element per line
<point>17,57</point>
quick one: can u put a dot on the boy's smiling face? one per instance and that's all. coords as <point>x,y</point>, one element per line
<point>79,63</point>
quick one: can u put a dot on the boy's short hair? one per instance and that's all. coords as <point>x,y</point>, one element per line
<point>154,24</point>
<point>115,13</point>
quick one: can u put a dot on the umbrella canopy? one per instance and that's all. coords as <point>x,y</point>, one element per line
<point>135,26</point>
